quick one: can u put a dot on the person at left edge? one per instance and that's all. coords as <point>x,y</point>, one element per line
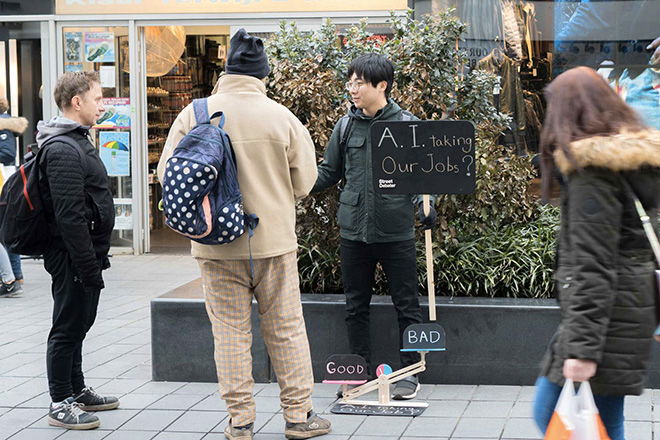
<point>80,211</point>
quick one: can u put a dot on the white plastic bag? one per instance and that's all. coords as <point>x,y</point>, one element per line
<point>576,416</point>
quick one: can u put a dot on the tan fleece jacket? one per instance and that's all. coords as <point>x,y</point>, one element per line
<point>275,159</point>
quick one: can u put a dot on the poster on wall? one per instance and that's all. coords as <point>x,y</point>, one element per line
<point>73,67</point>
<point>123,214</point>
<point>115,152</point>
<point>117,114</point>
<point>107,74</point>
<point>73,45</point>
<point>100,47</point>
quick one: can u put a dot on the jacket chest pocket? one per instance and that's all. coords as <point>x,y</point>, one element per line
<point>356,157</point>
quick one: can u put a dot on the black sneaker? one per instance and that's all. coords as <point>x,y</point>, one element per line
<point>313,427</point>
<point>89,400</point>
<point>406,388</point>
<point>67,414</point>
<point>340,390</point>
<point>10,290</point>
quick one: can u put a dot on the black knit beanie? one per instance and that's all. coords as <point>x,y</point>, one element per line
<point>247,56</point>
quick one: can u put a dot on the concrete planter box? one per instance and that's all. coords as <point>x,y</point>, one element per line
<point>496,341</point>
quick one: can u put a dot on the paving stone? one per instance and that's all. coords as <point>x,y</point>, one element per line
<point>152,420</point>
<point>35,434</point>
<point>453,392</point>
<point>116,418</point>
<point>645,397</point>
<point>638,430</point>
<point>96,434</point>
<point>431,427</point>
<point>496,392</point>
<point>268,404</point>
<point>132,435</point>
<point>261,420</point>
<point>445,408</point>
<point>203,389</point>
<point>479,428</point>
<point>522,429</point>
<point>383,426</point>
<point>159,387</point>
<point>196,421</point>
<point>522,410</point>
<point>179,436</point>
<point>176,401</point>
<point>638,412</point>
<point>488,409</point>
<point>344,424</point>
<point>138,401</point>
<point>211,403</point>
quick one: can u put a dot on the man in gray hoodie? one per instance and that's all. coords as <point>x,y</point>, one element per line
<point>79,208</point>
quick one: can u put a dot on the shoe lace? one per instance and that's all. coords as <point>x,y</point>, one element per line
<point>93,393</point>
<point>74,409</point>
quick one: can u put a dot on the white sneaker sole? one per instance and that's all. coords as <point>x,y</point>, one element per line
<point>79,426</point>
<point>409,396</point>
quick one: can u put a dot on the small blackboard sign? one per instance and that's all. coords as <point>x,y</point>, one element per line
<point>377,410</point>
<point>423,157</point>
<point>424,337</point>
<point>345,368</point>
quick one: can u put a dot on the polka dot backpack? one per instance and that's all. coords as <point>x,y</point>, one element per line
<point>201,196</point>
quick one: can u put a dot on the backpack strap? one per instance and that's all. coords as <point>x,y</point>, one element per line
<point>201,108</point>
<point>345,124</point>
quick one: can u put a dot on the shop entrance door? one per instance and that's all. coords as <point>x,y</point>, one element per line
<point>179,64</point>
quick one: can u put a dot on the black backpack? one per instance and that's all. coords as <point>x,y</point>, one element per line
<point>23,226</point>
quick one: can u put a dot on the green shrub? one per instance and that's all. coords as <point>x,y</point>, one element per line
<point>308,73</point>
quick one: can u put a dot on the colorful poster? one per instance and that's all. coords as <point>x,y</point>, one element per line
<point>73,67</point>
<point>123,216</point>
<point>100,47</point>
<point>117,114</point>
<point>73,45</point>
<point>115,152</point>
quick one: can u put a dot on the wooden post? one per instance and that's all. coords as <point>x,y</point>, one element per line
<point>429,260</point>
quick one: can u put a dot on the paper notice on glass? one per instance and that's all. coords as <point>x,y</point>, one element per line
<point>115,153</point>
<point>107,74</point>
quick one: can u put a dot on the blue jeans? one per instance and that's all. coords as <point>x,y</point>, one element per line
<point>609,407</point>
<point>15,260</point>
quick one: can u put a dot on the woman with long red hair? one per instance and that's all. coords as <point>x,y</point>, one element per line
<point>605,266</point>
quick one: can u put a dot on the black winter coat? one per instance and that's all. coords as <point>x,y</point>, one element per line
<point>78,204</point>
<point>605,266</point>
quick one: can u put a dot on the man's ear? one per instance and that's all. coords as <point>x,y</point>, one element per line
<point>76,102</point>
<point>382,86</point>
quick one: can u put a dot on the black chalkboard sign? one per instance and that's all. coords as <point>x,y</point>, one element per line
<point>345,368</point>
<point>423,157</point>
<point>378,410</point>
<point>424,337</point>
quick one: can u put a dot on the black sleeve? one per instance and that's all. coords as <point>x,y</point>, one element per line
<point>594,222</point>
<point>66,179</point>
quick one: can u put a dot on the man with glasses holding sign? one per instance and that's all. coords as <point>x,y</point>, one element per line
<point>374,228</point>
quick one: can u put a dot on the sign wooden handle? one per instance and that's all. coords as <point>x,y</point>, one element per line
<point>429,260</point>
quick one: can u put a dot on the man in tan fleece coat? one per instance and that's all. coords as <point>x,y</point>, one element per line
<point>276,165</point>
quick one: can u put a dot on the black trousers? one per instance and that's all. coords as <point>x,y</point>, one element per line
<point>358,266</point>
<point>74,312</point>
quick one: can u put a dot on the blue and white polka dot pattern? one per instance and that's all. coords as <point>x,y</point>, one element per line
<point>185,187</point>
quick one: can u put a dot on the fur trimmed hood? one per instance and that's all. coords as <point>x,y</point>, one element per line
<point>16,125</point>
<point>625,151</point>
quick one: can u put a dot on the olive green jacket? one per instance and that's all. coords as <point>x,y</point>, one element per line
<point>364,215</point>
<point>604,275</point>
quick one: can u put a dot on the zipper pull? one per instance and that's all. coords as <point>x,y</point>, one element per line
<point>92,225</point>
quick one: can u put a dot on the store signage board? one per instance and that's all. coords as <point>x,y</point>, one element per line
<point>377,410</point>
<point>423,157</point>
<point>133,7</point>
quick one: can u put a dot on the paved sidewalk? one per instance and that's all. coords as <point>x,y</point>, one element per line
<point>117,361</point>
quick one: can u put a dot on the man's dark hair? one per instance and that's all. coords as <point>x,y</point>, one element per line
<point>373,68</point>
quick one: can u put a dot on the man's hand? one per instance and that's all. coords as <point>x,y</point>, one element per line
<point>427,220</point>
<point>579,370</point>
<point>655,59</point>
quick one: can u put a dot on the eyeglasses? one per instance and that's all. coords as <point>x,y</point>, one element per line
<point>353,86</point>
